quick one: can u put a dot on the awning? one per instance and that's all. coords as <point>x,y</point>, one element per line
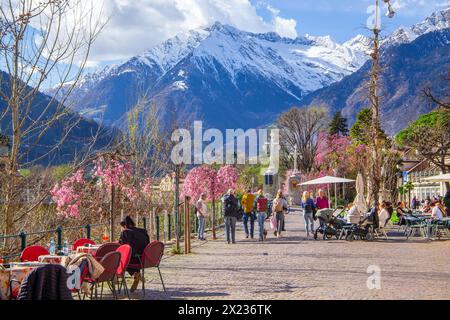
<point>439,178</point>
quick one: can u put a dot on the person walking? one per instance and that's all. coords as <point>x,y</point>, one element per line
<point>248,200</point>
<point>308,206</point>
<point>279,205</point>
<point>261,212</point>
<point>202,213</point>
<point>231,215</point>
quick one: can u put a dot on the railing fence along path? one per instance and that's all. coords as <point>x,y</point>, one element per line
<point>162,228</point>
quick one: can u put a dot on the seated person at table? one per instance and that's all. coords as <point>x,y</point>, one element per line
<point>436,211</point>
<point>138,239</point>
<point>384,213</point>
<point>441,206</point>
<point>400,211</point>
<point>426,208</point>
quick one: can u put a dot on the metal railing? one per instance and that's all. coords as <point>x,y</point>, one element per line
<point>59,237</point>
<point>163,230</point>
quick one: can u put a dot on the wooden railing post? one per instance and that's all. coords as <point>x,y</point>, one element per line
<point>187,226</point>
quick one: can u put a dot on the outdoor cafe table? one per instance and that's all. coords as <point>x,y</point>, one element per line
<point>18,272</point>
<point>51,258</point>
<point>92,249</point>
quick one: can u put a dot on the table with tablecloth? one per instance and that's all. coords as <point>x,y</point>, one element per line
<point>17,273</point>
<point>51,258</point>
<point>87,249</point>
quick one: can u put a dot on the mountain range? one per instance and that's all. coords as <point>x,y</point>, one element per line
<point>226,77</point>
<point>235,79</point>
<point>408,69</point>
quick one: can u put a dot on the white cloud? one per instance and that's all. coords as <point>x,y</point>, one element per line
<point>284,27</point>
<point>412,7</point>
<point>137,25</point>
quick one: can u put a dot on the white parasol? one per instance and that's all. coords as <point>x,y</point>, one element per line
<point>360,200</point>
<point>328,180</point>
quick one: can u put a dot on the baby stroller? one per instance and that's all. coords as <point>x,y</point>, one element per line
<point>330,226</point>
<point>364,230</point>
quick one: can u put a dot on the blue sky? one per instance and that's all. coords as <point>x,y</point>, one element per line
<point>342,19</point>
<point>138,25</point>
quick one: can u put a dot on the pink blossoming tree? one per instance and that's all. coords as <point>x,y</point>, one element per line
<point>214,183</point>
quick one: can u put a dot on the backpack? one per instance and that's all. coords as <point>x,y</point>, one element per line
<point>308,208</point>
<point>229,207</point>
<point>261,204</point>
<point>278,205</point>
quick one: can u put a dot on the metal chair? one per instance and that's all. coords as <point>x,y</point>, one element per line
<point>110,263</point>
<point>151,258</point>
<point>32,253</point>
<point>81,242</point>
<point>125,253</point>
<point>105,249</point>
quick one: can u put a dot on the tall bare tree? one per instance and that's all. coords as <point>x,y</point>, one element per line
<point>301,127</point>
<point>41,42</point>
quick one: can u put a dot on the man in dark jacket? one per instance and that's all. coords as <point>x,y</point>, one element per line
<point>48,282</point>
<point>231,212</point>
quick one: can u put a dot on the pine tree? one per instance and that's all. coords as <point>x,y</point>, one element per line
<point>338,125</point>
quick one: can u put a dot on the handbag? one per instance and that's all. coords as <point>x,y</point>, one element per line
<point>273,222</point>
<point>314,211</point>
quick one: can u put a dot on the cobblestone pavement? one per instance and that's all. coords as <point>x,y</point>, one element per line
<point>296,268</point>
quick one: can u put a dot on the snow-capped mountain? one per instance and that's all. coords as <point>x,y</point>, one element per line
<point>230,78</point>
<point>437,21</point>
<point>230,59</point>
<point>408,69</point>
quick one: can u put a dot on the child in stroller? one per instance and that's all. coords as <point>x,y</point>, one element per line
<point>330,226</point>
<point>363,230</point>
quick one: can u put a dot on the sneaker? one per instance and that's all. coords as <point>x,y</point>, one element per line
<point>275,233</point>
<point>247,236</point>
<point>137,278</point>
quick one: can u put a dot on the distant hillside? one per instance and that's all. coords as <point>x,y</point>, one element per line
<point>76,140</point>
<point>407,69</point>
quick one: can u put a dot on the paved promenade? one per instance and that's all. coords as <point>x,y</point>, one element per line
<point>295,268</point>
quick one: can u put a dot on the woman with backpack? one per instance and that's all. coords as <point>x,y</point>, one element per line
<point>308,206</point>
<point>261,203</point>
<point>279,204</point>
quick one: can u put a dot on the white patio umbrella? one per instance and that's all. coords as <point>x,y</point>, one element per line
<point>439,178</point>
<point>328,180</point>
<point>360,200</point>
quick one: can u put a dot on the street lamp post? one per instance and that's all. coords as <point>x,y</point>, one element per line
<point>375,104</point>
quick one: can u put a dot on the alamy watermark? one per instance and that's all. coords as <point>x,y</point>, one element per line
<point>374,280</point>
<point>253,146</point>
<point>374,20</point>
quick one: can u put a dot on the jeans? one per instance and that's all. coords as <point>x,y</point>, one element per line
<point>280,222</point>
<point>309,222</point>
<point>230,229</point>
<point>201,228</point>
<point>261,218</point>
<point>251,217</point>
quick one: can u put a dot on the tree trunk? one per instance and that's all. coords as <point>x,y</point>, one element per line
<point>214,218</point>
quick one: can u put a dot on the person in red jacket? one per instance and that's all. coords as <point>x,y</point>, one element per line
<point>322,201</point>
